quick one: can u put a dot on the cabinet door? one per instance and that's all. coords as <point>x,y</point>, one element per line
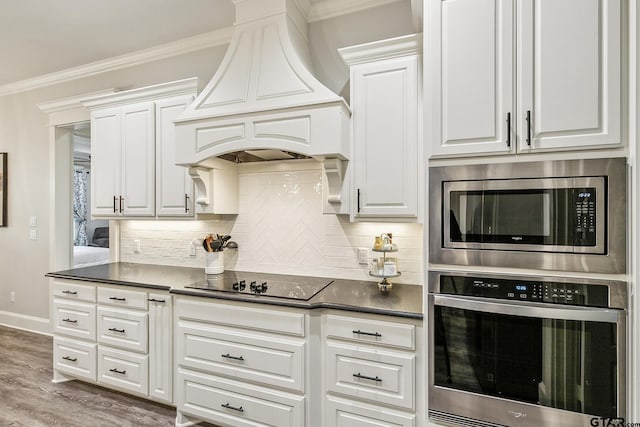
<point>138,159</point>
<point>470,77</point>
<point>569,73</point>
<point>174,188</point>
<point>160,347</point>
<point>385,128</point>
<point>106,141</point>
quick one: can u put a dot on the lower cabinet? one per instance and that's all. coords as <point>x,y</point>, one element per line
<point>117,336</point>
<point>240,364</point>
<point>373,370</point>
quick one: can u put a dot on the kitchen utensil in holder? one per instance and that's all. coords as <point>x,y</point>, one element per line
<point>214,262</point>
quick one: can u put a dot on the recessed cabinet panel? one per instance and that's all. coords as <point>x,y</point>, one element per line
<point>106,177</point>
<point>124,329</point>
<point>75,358</point>
<point>160,347</point>
<point>472,91</point>
<point>174,187</point>
<point>570,73</point>
<point>138,159</point>
<point>75,319</point>
<point>123,370</point>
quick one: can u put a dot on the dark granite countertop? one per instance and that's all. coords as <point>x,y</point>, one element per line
<point>350,295</point>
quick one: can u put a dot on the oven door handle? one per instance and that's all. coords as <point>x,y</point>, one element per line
<point>529,309</point>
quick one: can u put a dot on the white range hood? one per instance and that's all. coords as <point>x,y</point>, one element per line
<point>264,97</point>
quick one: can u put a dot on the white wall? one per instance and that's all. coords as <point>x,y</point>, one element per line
<point>25,135</point>
<point>280,229</point>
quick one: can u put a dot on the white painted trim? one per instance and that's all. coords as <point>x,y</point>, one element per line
<point>179,47</point>
<point>149,93</point>
<point>333,8</point>
<point>38,325</point>
<point>382,49</point>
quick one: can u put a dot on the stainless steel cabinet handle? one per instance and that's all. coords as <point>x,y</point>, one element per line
<point>227,406</point>
<point>70,359</point>
<point>186,203</point>
<point>528,127</point>
<point>371,334</point>
<point>69,321</point>
<point>117,371</point>
<point>117,330</point>
<point>117,299</point>
<point>364,377</point>
<point>508,129</point>
<point>228,356</point>
<point>121,200</point>
<point>70,292</point>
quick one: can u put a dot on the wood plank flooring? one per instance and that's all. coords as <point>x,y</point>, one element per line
<point>28,398</point>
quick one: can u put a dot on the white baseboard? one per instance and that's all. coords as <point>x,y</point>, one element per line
<point>28,323</point>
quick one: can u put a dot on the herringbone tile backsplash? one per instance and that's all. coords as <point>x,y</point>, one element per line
<point>280,229</point>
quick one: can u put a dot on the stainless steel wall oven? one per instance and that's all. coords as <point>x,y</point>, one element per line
<point>525,350</point>
<point>554,215</point>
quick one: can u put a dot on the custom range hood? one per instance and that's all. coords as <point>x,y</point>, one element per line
<point>263,103</point>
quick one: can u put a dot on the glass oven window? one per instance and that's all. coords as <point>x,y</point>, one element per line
<point>564,364</point>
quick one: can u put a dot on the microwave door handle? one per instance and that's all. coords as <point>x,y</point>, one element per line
<point>516,308</point>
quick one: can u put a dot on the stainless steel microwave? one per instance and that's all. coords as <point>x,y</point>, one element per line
<point>567,215</point>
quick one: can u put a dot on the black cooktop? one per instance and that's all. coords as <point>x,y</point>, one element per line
<point>273,285</point>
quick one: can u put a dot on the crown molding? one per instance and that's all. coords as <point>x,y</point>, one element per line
<point>178,47</point>
<point>382,49</point>
<point>318,11</point>
<point>333,8</point>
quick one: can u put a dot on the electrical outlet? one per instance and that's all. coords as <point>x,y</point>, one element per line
<point>12,296</point>
<point>136,246</point>
<point>192,249</point>
<point>363,256</point>
<point>33,234</point>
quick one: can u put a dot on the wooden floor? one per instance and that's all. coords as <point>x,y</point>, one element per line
<point>28,397</point>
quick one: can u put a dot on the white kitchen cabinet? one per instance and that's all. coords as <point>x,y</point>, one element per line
<point>133,152</point>
<point>508,76</point>
<point>174,187</point>
<point>122,161</point>
<point>239,364</point>
<point>119,337</point>
<point>386,103</point>
<point>372,367</point>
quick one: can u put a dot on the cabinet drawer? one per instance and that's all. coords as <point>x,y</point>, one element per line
<point>256,319</point>
<point>220,400</point>
<point>123,370</point>
<point>74,291</point>
<point>124,329</point>
<point>76,319</point>
<point>347,413</point>
<point>122,298</point>
<point>75,358</point>
<point>372,331</point>
<point>382,376</point>
<point>273,361</point>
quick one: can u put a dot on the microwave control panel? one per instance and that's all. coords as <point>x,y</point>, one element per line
<point>585,216</point>
<point>527,291</point>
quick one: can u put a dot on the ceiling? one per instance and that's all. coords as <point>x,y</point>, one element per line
<point>38,37</point>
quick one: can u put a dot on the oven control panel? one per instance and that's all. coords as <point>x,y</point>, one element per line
<point>527,290</point>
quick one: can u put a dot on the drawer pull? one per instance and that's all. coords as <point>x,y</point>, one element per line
<point>364,377</point>
<point>117,299</point>
<point>227,406</point>
<point>70,359</point>
<point>371,334</point>
<point>116,371</point>
<point>70,292</point>
<point>228,356</point>
<point>69,321</point>
<point>157,300</point>
<point>117,330</point>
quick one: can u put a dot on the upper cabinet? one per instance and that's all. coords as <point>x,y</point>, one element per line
<point>386,104</point>
<point>507,76</point>
<point>133,151</point>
